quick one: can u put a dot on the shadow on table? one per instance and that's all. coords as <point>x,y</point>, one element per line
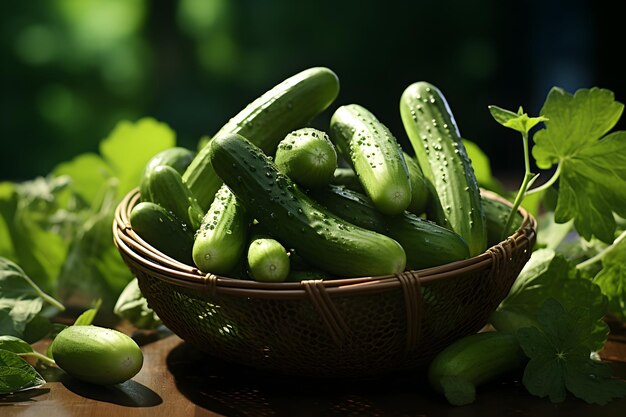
<point>128,394</point>
<point>28,396</point>
<point>235,391</point>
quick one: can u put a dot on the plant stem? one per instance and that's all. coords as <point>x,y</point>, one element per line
<point>43,358</point>
<point>598,257</point>
<point>47,298</point>
<point>548,183</point>
<point>522,190</point>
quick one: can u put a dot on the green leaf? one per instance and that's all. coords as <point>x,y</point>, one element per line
<point>591,166</point>
<point>86,318</point>
<point>482,168</point>
<point>130,146</point>
<point>517,121</point>
<point>20,299</point>
<point>559,353</point>
<point>550,234</point>
<point>16,374</point>
<point>14,344</point>
<point>89,174</point>
<point>549,275</point>
<point>132,306</point>
<point>612,279</point>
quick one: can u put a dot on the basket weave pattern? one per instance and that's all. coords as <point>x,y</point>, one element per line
<point>348,327</point>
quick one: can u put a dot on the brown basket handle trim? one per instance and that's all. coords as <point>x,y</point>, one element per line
<point>413,300</point>
<point>325,307</point>
<point>210,284</point>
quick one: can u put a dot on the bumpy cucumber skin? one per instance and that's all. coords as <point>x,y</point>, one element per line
<point>222,237</point>
<point>164,231</point>
<point>474,360</point>
<point>308,157</point>
<point>268,260</point>
<point>97,355</point>
<point>496,214</point>
<point>425,243</point>
<point>375,156</point>
<point>420,188</point>
<point>166,188</point>
<point>321,238</point>
<point>177,158</point>
<point>266,121</point>
<point>439,149</point>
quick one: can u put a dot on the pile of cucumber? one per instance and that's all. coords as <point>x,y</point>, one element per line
<point>266,199</point>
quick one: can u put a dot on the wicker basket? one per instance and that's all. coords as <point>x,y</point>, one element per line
<point>347,327</point>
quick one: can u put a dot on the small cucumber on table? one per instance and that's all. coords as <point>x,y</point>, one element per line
<point>439,149</point>
<point>266,121</point>
<point>308,157</point>
<point>471,361</point>
<point>425,243</point>
<point>177,158</point>
<point>375,156</point>
<point>321,238</point>
<point>268,260</point>
<point>163,231</point>
<point>166,188</point>
<point>222,237</point>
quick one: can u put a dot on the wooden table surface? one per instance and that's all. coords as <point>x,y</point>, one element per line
<point>178,380</point>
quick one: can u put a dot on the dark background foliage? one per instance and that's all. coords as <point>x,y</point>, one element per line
<point>71,69</point>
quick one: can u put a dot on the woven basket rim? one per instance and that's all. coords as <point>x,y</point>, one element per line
<point>163,267</point>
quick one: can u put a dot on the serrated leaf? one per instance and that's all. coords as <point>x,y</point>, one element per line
<point>517,121</point>
<point>16,374</point>
<point>590,166</point>
<point>560,357</point>
<point>612,279</point>
<point>14,344</point>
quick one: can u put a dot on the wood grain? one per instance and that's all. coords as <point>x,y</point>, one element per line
<point>179,380</point>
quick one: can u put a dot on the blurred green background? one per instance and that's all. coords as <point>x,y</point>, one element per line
<point>71,69</point>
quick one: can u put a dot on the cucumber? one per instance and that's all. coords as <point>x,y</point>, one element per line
<point>471,361</point>
<point>425,243</point>
<point>177,158</point>
<point>439,149</point>
<point>308,157</point>
<point>496,214</point>
<point>96,355</point>
<point>165,188</point>
<point>222,238</point>
<point>163,231</point>
<point>347,177</point>
<point>420,188</point>
<point>321,238</point>
<point>375,155</point>
<point>266,121</point>
<point>268,260</point>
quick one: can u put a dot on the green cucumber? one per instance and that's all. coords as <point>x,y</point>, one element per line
<point>496,215</point>
<point>420,188</point>
<point>471,361</point>
<point>166,188</point>
<point>347,177</point>
<point>268,260</point>
<point>425,243</point>
<point>321,238</point>
<point>308,157</point>
<point>162,230</point>
<point>221,239</point>
<point>375,156</point>
<point>177,158</point>
<point>439,149</point>
<point>96,355</point>
<point>266,121</point>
